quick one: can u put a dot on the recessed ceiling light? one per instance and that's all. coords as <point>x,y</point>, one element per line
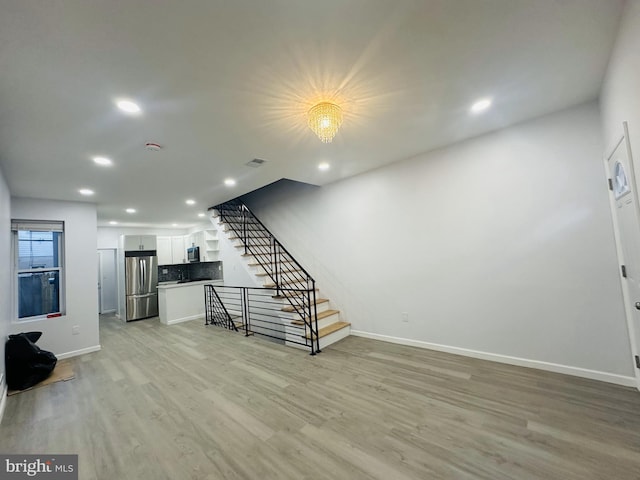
<point>128,106</point>
<point>102,161</point>
<point>201,214</point>
<point>86,191</point>
<point>481,105</point>
<point>130,210</point>
<point>323,166</point>
<point>174,224</point>
<point>190,202</point>
<point>113,222</point>
<point>229,182</point>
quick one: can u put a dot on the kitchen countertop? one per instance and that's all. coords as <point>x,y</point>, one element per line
<point>166,285</point>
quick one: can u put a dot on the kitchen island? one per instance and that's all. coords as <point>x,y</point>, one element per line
<point>180,302</point>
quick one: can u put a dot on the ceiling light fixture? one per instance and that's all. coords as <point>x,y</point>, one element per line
<point>481,105</point>
<point>113,222</point>
<point>102,161</point>
<point>190,202</point>
<point>201,214</point>
<point>229,182</point>
<point>130,210</point>
<point>325,119</point>
<point>128,106</point>
<point>323,166</point>
<point>86,191</point>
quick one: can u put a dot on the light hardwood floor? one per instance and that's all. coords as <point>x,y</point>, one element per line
<point>188,401</point>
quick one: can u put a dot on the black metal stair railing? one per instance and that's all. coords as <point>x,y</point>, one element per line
<point>286,274</point>
<point>215,311</point>
<point>259,312</point>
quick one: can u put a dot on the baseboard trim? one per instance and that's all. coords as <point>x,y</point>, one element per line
<point>185,319</point>
<point>3,400</point>
<point>75,353</point>
<point>494,357</point>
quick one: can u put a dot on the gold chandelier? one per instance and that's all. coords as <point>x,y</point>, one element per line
<point>325,119</point>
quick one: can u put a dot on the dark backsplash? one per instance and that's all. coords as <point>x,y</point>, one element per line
<point>190,271</point>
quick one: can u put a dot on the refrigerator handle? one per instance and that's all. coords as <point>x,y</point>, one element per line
<point>140,274</point>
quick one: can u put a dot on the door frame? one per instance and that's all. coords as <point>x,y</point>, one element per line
<point>626,295</point>
<point>100,289</point>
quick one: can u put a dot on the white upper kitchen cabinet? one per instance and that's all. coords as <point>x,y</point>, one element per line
<point>148,242</point>
<point>178,249</point>
<point>164,251</point>
<point>172,250</point>
<point>139,242</point>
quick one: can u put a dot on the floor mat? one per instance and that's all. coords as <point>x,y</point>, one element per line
<point>62,373</point>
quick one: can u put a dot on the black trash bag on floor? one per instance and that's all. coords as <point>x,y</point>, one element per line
<point>26,363</point>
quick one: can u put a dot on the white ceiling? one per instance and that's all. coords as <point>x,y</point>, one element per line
<point>223,82</point>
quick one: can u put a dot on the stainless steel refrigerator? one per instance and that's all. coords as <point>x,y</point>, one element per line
<point>141,282</point>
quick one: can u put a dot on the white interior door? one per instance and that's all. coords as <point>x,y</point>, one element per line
<point>107,281</point>
<point>627,228</point>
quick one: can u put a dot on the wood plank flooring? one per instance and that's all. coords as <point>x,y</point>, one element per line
<point>193,402</point>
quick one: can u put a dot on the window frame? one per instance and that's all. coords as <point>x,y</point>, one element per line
<point>38,226</point>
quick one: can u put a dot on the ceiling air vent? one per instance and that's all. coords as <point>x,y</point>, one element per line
<point>256,162</point>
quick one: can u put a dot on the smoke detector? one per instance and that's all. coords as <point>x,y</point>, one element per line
<point>152,147</point>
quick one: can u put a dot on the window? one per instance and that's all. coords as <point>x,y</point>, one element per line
<point>620,182</point>
<point>39,267</point>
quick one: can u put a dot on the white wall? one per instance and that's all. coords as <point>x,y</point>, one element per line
<point>200,227</point>
<point>620,98</point>
<point>5,279</point>
<point>235,271</point>
<point>80,276</point>
<point>502,244</point>
<point>108,237</point>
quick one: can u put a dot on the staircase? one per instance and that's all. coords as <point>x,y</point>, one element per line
<point>288,307</point>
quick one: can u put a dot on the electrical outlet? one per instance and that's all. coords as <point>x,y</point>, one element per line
<point>405,317</point>
<point>165,271</point>
<point>75,330</point>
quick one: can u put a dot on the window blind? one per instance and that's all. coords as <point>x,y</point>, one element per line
<point>37,226</point>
